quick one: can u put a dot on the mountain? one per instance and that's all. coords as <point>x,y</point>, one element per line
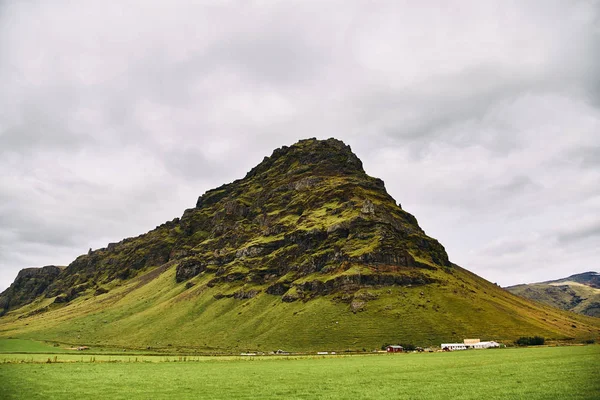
<point>305,252</point>
<point>579,293</point>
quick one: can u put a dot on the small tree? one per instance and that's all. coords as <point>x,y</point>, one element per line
<point>537,341</point>
<point>530,341</point>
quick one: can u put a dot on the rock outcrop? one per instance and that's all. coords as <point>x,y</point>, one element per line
<point>307,221</point>
<point>29,284</point>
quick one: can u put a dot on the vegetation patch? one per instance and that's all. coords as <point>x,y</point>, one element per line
<point>534,373</point>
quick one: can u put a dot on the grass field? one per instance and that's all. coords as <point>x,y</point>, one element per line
<point>524,373</point>
<point>28,346</point>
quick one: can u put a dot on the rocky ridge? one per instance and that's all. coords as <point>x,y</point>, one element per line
<point>579,293</point>
<point>307,221</point>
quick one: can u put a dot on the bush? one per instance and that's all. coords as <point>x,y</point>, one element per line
<point>530,341</point>
<point>100,291</point>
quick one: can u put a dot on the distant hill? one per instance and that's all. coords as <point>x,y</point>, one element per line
<point>579,293</point>
<point>306,252</point>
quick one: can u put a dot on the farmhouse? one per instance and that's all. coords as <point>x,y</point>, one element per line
<point>469,344</point>
<point>394,349</point>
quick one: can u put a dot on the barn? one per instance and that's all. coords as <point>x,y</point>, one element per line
<point>394,348</point>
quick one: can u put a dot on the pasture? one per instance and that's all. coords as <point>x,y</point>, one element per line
<point>520,373</point>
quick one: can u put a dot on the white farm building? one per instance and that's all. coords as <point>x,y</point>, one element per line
<point>469,344</point>
<point>453,346</point>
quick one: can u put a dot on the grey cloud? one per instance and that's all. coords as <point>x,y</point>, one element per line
<point>518,184</point>
<point>588,156</point>
<point>505,247</point>
<point>481,119</point>
<point>579,233</point>
<point>278,58</point>
<point>457,110</point>
<point>189,163</point>
<point>41,127</point>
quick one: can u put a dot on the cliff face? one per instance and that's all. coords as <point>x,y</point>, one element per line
<point>307,209</point>
<point>29,284</point>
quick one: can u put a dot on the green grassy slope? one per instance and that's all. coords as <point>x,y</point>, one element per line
<point>159,313</point>
<point>30,346</point>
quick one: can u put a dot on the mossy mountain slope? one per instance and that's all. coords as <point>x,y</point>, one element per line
<point>309,208</point>
<point>305,251</point>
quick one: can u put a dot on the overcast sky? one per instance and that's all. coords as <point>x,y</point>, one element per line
<point>482,117</point>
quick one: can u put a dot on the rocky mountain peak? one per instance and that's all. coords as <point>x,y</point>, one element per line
<point>307,221</point>
<point>329,156</point>
<point>309,208</point>
<point>300,165</point>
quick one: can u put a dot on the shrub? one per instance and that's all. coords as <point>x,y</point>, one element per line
<point>100,291</point>
<point>530,341</point>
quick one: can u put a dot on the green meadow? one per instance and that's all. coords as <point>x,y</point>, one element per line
<point>29,346</point>
<point>515,373</point>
